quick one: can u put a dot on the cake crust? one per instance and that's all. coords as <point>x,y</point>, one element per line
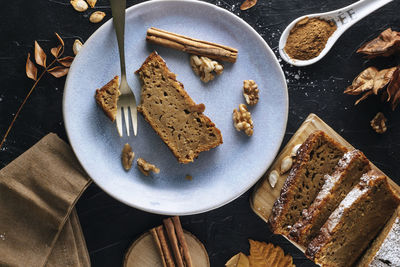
<point>172,113</point>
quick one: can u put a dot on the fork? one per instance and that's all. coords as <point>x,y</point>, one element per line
<point>126,101</point>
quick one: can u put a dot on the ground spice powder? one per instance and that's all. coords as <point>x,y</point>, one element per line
<point>308,38</point>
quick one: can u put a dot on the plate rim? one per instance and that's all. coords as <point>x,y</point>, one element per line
<point>240,192</point>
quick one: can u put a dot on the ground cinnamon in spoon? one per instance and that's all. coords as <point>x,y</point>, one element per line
<point>308,38</point>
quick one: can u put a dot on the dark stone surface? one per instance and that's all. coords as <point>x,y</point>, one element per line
<point>110,226</point>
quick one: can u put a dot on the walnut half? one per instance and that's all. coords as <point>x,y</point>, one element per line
<point>250,92</point>
<point>378,123</point>
<point>127,157</point>
<point>242,120</point>
<point>204,66</point>
<point>146,167</point>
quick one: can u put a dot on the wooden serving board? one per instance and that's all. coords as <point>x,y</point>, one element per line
<point>264,195</point>
<point>144,253</point>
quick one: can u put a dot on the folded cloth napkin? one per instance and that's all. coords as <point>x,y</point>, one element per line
<point>38,191</point>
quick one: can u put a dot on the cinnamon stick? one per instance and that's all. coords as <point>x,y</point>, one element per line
<point>191,45</point>
<point>162,245</point>
<point>169,227</point>
<point>182,241</point>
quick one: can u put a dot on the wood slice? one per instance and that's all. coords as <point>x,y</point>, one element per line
<point>264,195</point>
<point>144,253</point>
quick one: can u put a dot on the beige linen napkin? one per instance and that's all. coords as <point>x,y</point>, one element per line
<point>38,191</point>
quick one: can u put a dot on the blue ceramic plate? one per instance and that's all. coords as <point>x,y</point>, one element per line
<point>219,175</point>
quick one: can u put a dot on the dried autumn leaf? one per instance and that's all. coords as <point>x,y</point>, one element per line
<point>248,4</point>
<point>382,78</point>
<point>66,61</point>
<point>60,39</point>
<point>239,260</point>
<point>386,44</point>
<point>31,70</point>
<point>55,51</point>
<point>40,55</point>
<point>266,255</point>
<point>365,95</point>
<point>363,82</point>
<point>394,84</point>
<point>58,71</point>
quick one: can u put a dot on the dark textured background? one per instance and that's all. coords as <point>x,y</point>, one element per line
<point>110,226</point>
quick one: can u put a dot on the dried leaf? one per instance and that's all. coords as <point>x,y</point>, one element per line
<point>66,61</point>
<point>30,68</point>
<point>239,260</point>
<point>97,16</point>
<point>40,55</point>
<point>91,3</point>
<point>248,4</point>
<point>365,95</point>
<point>394,84</point>
<point>386,44</point>
<point>58,71</point>
<point>363,82</point>
<point>266,255</point>
<point>382,78</point>
<point>55,51</point>
<point>60,39</point>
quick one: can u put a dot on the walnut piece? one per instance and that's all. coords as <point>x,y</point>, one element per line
<point>250,92</point>
<point>242,120</point>
<point>146,167</point>
<point>127,157</point>
<point>378,123</point>
<point>204,66</point>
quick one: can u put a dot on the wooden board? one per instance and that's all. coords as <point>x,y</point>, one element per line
<point>144,253</point>
<point>264,195</point>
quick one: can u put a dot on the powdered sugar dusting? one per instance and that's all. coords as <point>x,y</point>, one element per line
<point>389,252</point>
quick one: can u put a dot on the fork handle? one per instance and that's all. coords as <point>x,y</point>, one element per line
<point>118,12</point>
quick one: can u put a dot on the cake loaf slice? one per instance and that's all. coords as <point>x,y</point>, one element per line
<point>346,175</point>
<point>107,98</point>
<point>385,250</point>
<point>171,112</point>
<point>355,222</point>
<point>317,156</point>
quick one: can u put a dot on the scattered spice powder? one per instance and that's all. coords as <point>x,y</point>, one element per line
<point>308,38</point>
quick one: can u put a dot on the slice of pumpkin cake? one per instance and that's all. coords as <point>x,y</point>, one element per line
<point>107,98</point>
<point>355,222</point>
<point>172,113</point>
<point>317,156</point>
<point>347,174</point>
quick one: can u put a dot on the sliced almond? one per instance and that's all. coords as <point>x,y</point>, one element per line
<point>286,164</point>
<point>77,46</point>
<point>91,3</point>
<point>97,16</point>
<point>79,5</point>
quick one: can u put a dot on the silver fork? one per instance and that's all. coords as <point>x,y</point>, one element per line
<point>127,101</point>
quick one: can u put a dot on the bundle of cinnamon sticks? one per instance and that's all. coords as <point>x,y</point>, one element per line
<point>169,237</point>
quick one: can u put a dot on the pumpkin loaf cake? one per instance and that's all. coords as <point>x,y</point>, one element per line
<point>107,98</point>
<point>170,111</point>
<point>346,175</point>
<point>317,156</point>
<point>385,250</point>
<point>355,222</point>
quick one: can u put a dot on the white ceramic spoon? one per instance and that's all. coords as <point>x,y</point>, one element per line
<point>344,19</point>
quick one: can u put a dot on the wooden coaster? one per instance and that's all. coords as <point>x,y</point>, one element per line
<point>144,253</point>
<point>264,195</point>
